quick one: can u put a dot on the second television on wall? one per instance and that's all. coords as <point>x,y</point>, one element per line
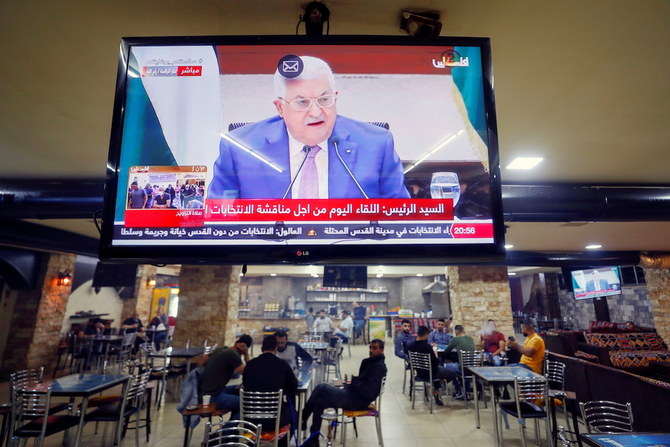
<point>278,149</point>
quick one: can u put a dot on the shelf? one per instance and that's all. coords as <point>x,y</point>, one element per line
<point>334,290</point>
<point>337,300</point>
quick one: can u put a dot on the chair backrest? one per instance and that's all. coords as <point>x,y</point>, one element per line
<point>29,404</point>
<point>207,350</point>
<point>25,377</point>
<point>232,433</point>
<point>378,402</point>
<point>258,405</point>
<point>555,374</point>
<point>419,362</point>
<point>313,337</point>
<point>470,358</point>
<point>533,390</point>
<point>603,416</point>
<point>137,387</point>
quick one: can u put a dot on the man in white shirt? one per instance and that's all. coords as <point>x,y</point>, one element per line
<point>343,331</point>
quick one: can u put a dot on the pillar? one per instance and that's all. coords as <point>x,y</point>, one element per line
<point>658,287</point>
<point>208,304</point>
<point>38,318</point>
<point>479,293</point>
<point>141,302</point>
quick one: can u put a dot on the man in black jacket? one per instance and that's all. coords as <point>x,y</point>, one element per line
<point>357,395</point>
<point>439,372</point>
<point>267,372</point>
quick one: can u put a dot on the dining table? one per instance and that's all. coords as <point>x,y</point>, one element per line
<point>179,353</point>
<point>105,342</point>
<point>626,439</point>
<point>496,376</point>
<point>83,386</point>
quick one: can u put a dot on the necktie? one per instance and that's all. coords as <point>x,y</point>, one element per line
<point>309,177</point>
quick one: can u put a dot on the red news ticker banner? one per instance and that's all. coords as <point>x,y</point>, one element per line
<point>295,210</point>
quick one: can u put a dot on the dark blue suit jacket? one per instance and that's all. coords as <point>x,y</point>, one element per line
<point>246,172</point>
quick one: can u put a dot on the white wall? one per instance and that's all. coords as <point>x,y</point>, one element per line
<point>85,299</point>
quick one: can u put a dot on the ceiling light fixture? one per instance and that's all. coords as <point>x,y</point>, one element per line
<point>524,163</point>
<point>511,274</point>
<point>419,274</point>
<point>273,274</point>
<point>64,278</point>
<point>593,246</point>
<point>508,246</point>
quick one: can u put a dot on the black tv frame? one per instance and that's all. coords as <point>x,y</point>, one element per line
<point>304,254</point>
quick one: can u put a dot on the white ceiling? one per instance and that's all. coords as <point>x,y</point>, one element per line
<point>583,84</point>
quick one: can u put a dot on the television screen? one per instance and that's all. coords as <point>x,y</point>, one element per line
<point>281,149</point>
<point>347,276</point>
<point>596,282</point>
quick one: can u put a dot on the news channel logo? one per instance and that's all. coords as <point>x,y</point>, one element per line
<point>451,58</point>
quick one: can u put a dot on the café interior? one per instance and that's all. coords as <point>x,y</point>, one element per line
<point>566,91</point>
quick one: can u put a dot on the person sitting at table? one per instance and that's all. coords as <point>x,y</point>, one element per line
<point>290,352</point>
<point>440,335</point>
<point>460,342</point>
<point>532,350</point>
<point>322,322</point>
<point>159,323</point>
<point>220,367</point>
<point>439,372</point>
<point>267,372</point>
<point>343,331</point>
<point>493,342</point>
<point>94,326</point>
<point>134,324</point>
<point>403,339</point>
<point>357,395</point>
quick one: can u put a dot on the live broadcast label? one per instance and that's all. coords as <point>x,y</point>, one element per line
<point>280,231</point>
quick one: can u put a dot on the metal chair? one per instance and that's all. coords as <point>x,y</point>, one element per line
<point>120,412</point>
<point>404,377</point>
<point>563,437</point>
<point>469,359</point>
<point>422,375</point>
<point>121,353</point>
<point>330,361</point>
<point>555,374</point>
<point>232,433</point>
<point>30,408</point>
<point>530,402</point>
<point>374,410</point>
<point>261,406</point>
<point>603,416</point>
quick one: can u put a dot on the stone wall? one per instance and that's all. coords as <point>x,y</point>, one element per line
<point>38,318</point>
<point>658,286</point>
<point>141,302</point>
<point>478,293</point>
<point>208,304</point>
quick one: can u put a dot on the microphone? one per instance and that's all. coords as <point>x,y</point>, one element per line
<point>306,150</point>
<point>335,141</point>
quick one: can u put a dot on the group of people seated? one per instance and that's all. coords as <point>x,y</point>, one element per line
<point>443,348</point>
<point>281,366</point>
<point>352,322</point>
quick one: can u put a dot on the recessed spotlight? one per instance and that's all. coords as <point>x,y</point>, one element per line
<point>419,274</point>
<point>273,274</point>
<point>524,163</point>
<point>593,246</point>
<point>511,274</point>
<point>379,275</point>
<point>508,246</point>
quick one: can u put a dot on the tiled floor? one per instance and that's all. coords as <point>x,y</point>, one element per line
<point>448,426</point>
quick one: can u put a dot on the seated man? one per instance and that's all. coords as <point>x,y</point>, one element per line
<point>322,322</point>
<point>134,324</point>
<point>440,335</point>
<point>343,331</point>
<point>439,372</point>
<point>460,342</point>
<point>269,373</point>
<point>357,395</point>
<point>532,350</point>
<point>404,339</point>
<point>222,364</point>
<point>290,352</point>
<point>493,342</point>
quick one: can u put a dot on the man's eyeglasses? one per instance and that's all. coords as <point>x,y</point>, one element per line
<point>302,104</point>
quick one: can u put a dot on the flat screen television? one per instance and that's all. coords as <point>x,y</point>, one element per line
<point>237,149</point>
<point>346,276</point>
<point>596,282</point>
<point>115,275</point>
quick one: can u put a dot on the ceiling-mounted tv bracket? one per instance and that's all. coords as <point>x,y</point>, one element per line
<point>315,15</point>
<point>421,23</point>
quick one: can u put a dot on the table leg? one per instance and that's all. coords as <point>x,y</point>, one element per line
<point>148,421</point>
<point>186,433</point>
<point>554,428</point>
<point>494,406</point>
<point>80,428</point>
<point>300,405</point>
<point>476,400</point>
